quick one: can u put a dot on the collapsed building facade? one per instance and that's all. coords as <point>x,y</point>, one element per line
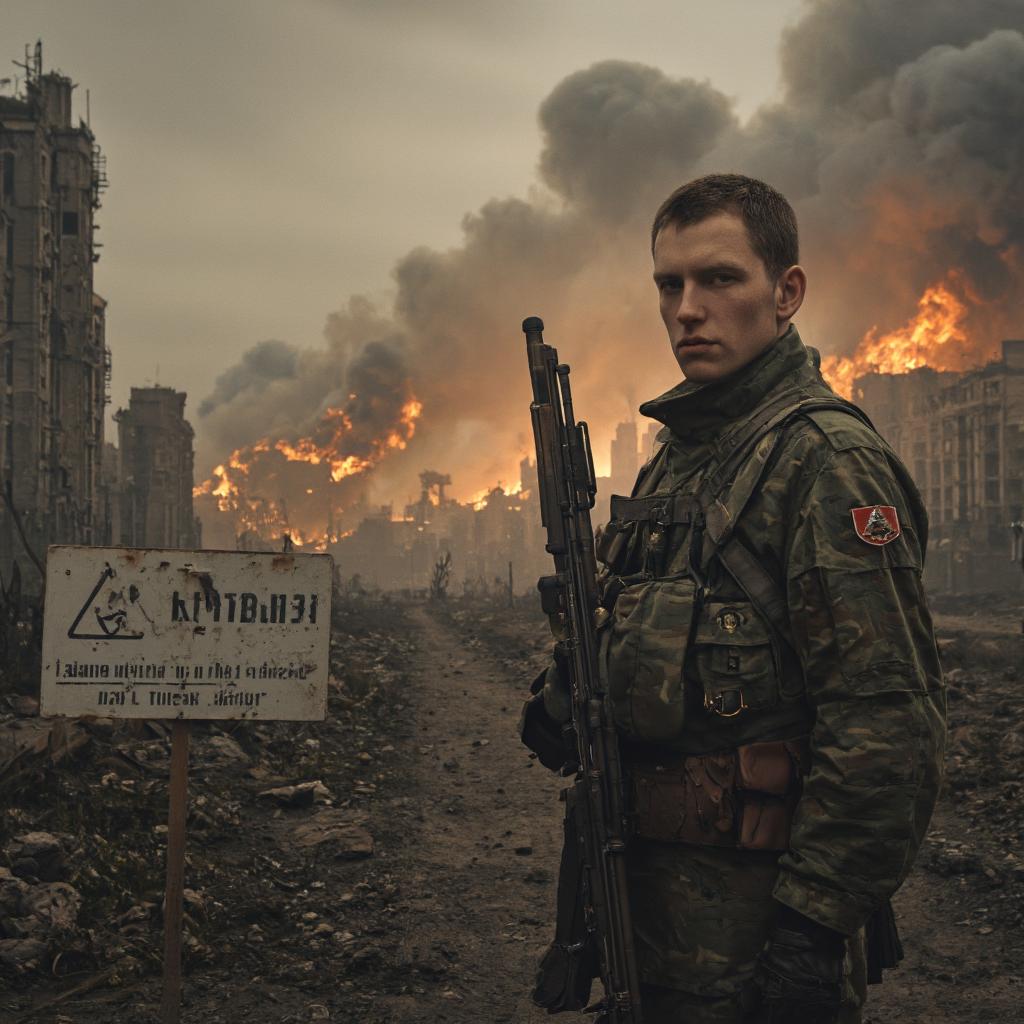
<point>496,544</point>
<point>961,435</point>
<point>56,365</point>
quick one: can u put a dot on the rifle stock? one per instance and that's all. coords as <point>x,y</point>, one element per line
<point>567,490</point>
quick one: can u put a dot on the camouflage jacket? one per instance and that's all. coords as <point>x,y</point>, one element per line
<point>860,670</point>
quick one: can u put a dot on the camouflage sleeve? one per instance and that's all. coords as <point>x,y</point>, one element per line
<point>865,640</point>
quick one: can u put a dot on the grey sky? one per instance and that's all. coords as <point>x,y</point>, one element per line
<point>267,160</point>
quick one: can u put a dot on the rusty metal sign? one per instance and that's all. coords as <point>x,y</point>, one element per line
<point>131,633</point>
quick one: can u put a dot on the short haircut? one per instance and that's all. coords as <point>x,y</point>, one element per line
<point>769,219</point>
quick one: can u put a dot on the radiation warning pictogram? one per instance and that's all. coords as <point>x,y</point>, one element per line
<point>107,611</point>
<point>876,524</point>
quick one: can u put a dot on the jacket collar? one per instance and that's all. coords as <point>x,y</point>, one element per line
<point>698,411</point>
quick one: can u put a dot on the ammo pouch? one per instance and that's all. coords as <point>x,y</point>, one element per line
<point>743,798</point>
<point>642,651</point>
<point>571,962</point>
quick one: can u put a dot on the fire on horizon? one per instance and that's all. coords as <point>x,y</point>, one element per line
<point>935,337</point>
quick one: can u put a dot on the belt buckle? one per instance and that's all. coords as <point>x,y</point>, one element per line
<point>717,704</point>
<point>660,513</point>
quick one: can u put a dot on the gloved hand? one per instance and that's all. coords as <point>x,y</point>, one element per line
<point>800,972</point>
<point>545,724</point>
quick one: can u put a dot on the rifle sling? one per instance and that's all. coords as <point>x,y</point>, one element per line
<point>755,442</point>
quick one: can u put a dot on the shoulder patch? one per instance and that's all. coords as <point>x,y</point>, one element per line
<point>876,524</point>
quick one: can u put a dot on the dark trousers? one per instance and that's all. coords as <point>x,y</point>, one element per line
<point>701,915</point>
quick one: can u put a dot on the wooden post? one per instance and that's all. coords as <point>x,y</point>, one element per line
<point>171,1008</point>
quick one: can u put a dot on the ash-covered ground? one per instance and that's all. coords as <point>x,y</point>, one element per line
<point>397,862</point>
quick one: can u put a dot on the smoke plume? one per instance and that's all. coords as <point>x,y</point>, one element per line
<point>897,135</point>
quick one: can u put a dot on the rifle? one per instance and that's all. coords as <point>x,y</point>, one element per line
<point>593,875</point>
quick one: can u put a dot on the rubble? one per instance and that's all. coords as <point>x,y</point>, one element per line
<point>430,874</point>
<point>23,739</point>
<point>304,794</point>
<point>82,869</point>
<point>344,837</point>
<point>35,916</point>
<point>37,855</point>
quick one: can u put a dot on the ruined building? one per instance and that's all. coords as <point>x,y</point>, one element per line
<point>961,436</point>
<point>56,365</point>
<point>151,497</point>
<point>625,458</point>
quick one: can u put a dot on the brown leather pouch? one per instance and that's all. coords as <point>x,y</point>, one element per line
<point>769,779</point>
<point>764,823</point>
<point>765,767</point>
<point>743,798</point>
<point>693,801</point>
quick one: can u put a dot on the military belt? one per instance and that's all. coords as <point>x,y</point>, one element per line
<point>656,509</point>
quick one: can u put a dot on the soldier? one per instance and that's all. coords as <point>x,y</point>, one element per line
<point>769,651</point>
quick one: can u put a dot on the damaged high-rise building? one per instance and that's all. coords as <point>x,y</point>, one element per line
<point>56,364</point>
<point>151,496</point>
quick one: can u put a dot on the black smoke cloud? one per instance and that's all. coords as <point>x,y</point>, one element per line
<point>616,131</point>
<point>897,135</point>
<point>260,366</point>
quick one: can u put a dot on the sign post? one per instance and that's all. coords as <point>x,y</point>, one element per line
<point>185,635</point>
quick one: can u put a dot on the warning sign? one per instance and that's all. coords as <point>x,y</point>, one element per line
<point>131,633</point>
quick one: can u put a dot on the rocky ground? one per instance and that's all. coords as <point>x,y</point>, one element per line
<point>396,863</point>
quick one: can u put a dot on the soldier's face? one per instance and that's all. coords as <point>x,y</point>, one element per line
<point>718,304</point>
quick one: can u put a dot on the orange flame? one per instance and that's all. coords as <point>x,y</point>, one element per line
<point>935,337</point>
<point>481,499</point>
<point>267,519</point>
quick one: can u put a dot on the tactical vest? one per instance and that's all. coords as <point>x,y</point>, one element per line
<point>661,614</point>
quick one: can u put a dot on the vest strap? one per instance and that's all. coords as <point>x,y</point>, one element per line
<point>660,509</point>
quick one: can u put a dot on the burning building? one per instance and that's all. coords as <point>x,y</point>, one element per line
<point>952,406</point>
<point>56,365</point>
<point>151,504</point>
<point>308,485</point>
<point>961,436</point>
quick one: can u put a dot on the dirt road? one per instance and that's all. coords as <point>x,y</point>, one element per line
<point>479,867</point>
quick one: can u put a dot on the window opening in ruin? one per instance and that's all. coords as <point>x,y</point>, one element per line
<point>8,174</point>
<point>69,222</point>
<point>10,246</point>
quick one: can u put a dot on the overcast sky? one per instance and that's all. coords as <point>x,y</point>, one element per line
<point>269,159</point>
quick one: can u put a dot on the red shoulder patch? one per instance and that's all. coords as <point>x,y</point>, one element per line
<point>876,524</point>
